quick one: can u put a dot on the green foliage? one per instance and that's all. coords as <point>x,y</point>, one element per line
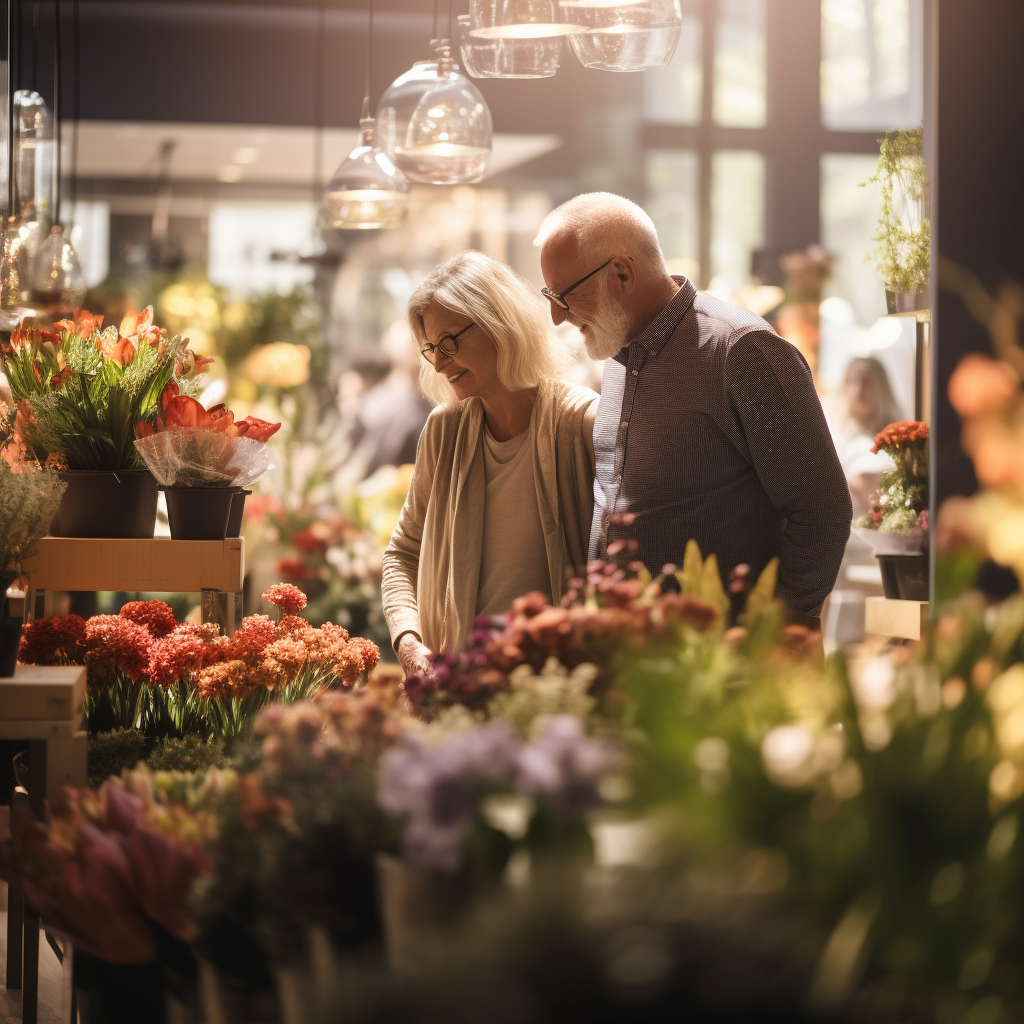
<point>28,502</point>
<point>89,417</point>
<point>188,754</point>
<point>701,578</point>
<point>110,753</point>
<point>903,255</point>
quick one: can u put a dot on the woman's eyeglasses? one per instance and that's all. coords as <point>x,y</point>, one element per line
<point>448,345</point>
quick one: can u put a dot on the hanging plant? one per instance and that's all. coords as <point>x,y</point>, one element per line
<point>903,255</point>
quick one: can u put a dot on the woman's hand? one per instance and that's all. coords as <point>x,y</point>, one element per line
<point>413,655</point>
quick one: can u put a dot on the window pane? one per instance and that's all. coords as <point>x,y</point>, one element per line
<point>672,177</point>
<point>672,95</point>
<point>871,64</point>
<point>737,213</point>
<point>849,218</point>
<point>740,98</point>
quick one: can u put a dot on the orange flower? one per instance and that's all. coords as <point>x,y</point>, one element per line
<point>84,324</point>
<point>180,412</point>
<point>135,323</point>
<point>115,350</point>
<point>980,384</point>
<point>899,434</point>
<point>191,365</point>
<point>58,378</point>
<point>31,337</point>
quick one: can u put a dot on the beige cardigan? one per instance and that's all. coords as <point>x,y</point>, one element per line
<point>432,564</point>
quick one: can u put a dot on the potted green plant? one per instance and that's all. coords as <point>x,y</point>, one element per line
<point>29,496</point>
<point>903,255</point>
<point>80,390</point>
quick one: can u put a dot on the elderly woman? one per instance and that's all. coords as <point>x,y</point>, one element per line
<point>501,495</point>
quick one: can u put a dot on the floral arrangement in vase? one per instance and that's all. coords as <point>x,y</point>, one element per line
<point>898,521</point>
<point>80,389</point>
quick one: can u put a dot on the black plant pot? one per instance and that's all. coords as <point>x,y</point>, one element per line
<point>198,513</point>
<point>237,509</point>
<point>905,577</point>
<point>106,503</point>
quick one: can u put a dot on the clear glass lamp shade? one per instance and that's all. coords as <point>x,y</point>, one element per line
<point>367,190</point>
<point>15,277</point>
<point>58,284</point>
<point>491,57</point>
<point>33,159</point>
<point>519,19</point>
<point>627,36</point>
<point>433,122</point>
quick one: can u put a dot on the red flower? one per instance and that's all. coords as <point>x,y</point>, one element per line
<point>58,378</point>
<point>156,616</point>
<point>259,430</point>
<point>30,337</point>
<point>56,641</point>
<point>294,568</point>
<point>286,596</point>
<point>185,649</point>
<point>180,412</point>
<point>307,541</point>
<point>253,636</point>
<point>116,643</point>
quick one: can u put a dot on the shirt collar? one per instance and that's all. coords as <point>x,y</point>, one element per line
<point>653,337</point>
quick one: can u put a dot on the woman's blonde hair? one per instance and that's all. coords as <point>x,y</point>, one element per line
<point>504,307</point>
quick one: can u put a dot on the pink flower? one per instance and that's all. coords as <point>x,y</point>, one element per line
<point>156,616</point>
<point>116,643</point>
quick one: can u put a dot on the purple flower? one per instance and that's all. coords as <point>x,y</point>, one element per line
<point>564,766</point>
<point>435,791</point>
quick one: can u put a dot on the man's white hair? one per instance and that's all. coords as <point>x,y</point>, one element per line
<point>603,225</point>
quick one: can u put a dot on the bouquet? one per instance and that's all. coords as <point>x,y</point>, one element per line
<point>898,521</point>
<point>189,446</point>
<point>81,389</point>
<point>29,497</point>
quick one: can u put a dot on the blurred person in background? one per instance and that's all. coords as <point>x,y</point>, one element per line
<point>709,427</point>
<point>865,404</point>
<point>502,491</point>
<point>390,414</point>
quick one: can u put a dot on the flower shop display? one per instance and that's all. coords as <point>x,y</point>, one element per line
<point>162,679</point>
<point>897,525</point>
<point>80,390</point>
<point>204,460</point>
<point>903,256</point>
<point>29,497</point>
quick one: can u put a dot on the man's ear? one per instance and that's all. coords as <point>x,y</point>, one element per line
<point>625,272</point>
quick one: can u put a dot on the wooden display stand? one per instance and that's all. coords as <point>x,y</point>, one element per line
<point>44,705</point>
<point>903,620</point>
<point>212,568</point>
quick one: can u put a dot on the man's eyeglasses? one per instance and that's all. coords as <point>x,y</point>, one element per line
<point>448,345</point>
<point>558,298</point>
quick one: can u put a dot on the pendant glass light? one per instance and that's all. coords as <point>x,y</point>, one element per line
<point>628,35</point>
<point>367,191</point>
<point>15,275</point>
<point>58,285</point>
<point>433,122</point>
<point>33,161</point>
<point>486,56</point>
<point>519,19</point>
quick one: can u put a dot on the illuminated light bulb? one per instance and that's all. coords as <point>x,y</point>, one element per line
<point>518,19</point>
<point>367,191</point>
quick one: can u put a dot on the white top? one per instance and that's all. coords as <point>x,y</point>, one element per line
<point>513,557</point>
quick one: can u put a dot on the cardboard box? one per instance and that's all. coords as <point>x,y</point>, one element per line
<point>43,693</point>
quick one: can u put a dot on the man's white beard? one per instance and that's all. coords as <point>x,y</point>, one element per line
<point>607,333</point>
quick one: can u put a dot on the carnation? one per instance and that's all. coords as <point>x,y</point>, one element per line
<point>156,616</point>
<point>286,596</point>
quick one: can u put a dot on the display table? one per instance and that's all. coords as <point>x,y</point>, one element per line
<point>903,620</point>
<point>57,757</point>
<point>212,568</point>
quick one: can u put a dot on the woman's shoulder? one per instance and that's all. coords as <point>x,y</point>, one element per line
<point>570,398</point>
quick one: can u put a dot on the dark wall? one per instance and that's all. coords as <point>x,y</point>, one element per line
<point>979,213</point>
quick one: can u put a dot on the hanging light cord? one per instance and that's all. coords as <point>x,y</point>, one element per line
<point>35,46</point>
<point>75,112</point>
<point>318,104</point>
<point>57,112</point>
<point>435,19</point>
<point>12,9</point>
<point>369,65</point>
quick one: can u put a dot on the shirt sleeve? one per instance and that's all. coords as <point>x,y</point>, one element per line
<point>772,394</point>
<point>402,556</point>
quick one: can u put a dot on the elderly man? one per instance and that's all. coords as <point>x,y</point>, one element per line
<point>709,426</point>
